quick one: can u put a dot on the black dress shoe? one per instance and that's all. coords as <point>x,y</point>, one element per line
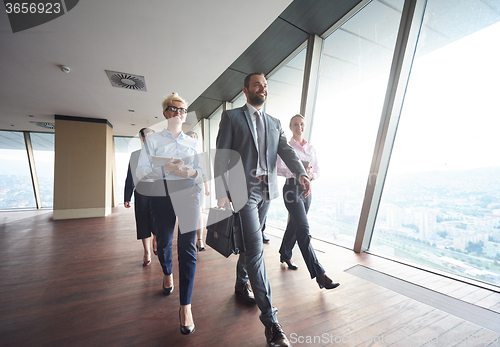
<point>288,262</point>
<point>265,239</point>
<point>245,292</point>
<point>186,329</point>
<point>167,291</point>
<point>325,282</point>
<point>275,336</point>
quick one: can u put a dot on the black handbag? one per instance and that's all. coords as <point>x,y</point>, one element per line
<point>225,232</point>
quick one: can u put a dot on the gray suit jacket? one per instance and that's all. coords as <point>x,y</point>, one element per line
<point>236,155</point>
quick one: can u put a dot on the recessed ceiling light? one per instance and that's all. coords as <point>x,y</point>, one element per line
<point>65,68</point>
<point>131,110</point>
<point>132,124</point>
<point>31,116</point>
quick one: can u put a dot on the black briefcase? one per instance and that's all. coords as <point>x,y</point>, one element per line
<point>224,231</point>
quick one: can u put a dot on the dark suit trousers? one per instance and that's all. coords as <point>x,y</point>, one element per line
<point>164,216</point>
<point>252,217</point>
<point>298,227</point>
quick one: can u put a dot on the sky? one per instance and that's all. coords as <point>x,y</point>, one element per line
<point>450,118</point>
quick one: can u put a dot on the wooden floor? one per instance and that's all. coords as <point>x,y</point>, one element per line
<point>81,283</point>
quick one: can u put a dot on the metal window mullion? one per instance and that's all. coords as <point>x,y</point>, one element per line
<point>31,162</point>
<point>310,81</point>
<point>411,21</point>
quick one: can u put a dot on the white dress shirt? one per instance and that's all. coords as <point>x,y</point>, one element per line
<point>163,144</point>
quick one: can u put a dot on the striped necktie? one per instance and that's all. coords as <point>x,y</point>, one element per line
<point>261,140</point>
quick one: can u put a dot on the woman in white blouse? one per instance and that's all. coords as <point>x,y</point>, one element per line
<point>170,158</point>
<point>297,229</point>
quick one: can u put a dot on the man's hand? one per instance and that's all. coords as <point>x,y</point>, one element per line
<point>126,204</point>
<point>185,172</point>
<point>173,165</point>
<point>306,185</point>
<point>222,202</point>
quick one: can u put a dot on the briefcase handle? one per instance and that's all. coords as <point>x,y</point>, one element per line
<point>223,177</point>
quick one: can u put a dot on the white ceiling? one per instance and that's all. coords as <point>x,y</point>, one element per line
<point>180,46</point>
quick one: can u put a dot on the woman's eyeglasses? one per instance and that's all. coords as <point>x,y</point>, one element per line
<point>175,109</point>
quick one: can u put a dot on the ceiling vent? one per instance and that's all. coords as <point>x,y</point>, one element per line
<point>44,125</point>
<point>126,80</point>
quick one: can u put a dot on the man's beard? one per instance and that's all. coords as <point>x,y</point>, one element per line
<point>256,100</point>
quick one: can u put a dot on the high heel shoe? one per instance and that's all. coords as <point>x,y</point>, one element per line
<point>288,262</point>
<point>167,291</point>
<point>185,329</point>
<point>325,282</point>
<point>198,247</point>
<point>146,261</point>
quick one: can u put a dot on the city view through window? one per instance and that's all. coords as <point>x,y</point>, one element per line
<point>441,201</point>
<point>354,70</point>
<point>16,187</point>
<point>124,146</point>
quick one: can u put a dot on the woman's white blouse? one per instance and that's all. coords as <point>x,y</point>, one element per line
<point>163,144</point>
<point>305,152</point>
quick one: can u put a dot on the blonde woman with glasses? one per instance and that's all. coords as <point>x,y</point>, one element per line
<point>170,157</point>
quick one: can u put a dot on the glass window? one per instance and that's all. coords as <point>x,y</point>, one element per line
<point>213,129</point>
<point>198,129</point>
<point>240,100</point>
<point>43,152</point>
<point>285,91</point>
<point>283,102</point>
<point>441,202</point>
<point>16,186</point>
<point>354,71</point>
<point>124,146</point>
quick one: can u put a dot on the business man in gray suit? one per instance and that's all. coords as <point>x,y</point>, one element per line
<point>254,138</point>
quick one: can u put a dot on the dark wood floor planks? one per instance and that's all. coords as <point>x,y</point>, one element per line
<point>81,283</point>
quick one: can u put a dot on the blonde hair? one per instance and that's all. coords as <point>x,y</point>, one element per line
<point>172,97</point>
<point>297,115</point>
